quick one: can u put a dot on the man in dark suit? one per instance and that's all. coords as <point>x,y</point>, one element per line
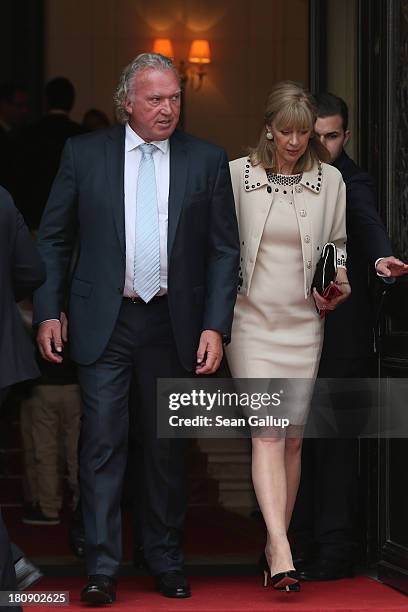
<point>21,271</point>
<point>152,296</point>
<point>13,114</point>
<point>41,146</point>
<point>324,521</point>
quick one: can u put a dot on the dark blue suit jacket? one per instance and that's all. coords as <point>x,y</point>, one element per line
<point>87,203</point>
<point>349,329</point>
<point>21,271</point>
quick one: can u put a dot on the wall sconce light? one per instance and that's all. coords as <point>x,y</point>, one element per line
<point>199,55</point>
<point>164,47</point>
<point>192,70</point>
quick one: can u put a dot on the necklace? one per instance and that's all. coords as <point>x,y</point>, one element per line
<point>283,179</point>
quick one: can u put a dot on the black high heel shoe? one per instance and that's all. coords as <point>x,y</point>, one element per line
<point>286,581</point>
<point>283,581</point>
<point>264,568</point>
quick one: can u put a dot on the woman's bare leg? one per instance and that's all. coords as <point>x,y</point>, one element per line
<point>270,483</point>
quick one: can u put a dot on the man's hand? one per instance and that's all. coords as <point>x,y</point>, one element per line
<point>391,267</point>
<point>52,334</point>
<point>209,353</point>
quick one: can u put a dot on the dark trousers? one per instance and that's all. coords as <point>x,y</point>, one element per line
<point>8,580</point>
<point>325,516</point>
<point>7,574</point>
<point>141,348</point>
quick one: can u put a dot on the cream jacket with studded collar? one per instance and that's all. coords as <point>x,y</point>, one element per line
<point>320,205</point>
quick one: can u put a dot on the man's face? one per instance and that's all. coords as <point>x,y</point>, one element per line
<point>153,104</point>
<point>332,135</point>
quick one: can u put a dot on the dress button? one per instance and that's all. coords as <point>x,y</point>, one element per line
<point>308,264</point>
<point>269,189</point>
<point>302,213</point>
<point>307,238</point>
<point>298,188</point>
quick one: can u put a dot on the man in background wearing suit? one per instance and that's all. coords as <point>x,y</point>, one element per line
<point>152,296</point>
<point>324,522</point>
<point>14,111</point>
<point>21,271</point>
<point>41,146</point>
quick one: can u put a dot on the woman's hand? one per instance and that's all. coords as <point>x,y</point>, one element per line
<point>342,284</point>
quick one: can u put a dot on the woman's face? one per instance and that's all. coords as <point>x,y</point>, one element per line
<point>290,145</point>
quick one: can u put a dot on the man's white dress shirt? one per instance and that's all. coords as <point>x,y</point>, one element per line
<point>161,158</point>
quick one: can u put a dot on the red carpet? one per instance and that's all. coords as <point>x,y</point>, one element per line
<point>209,531</point>
<point>240,594</point>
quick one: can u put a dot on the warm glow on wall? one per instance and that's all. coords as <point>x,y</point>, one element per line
<point>164,47</point>
<point>199,52</point>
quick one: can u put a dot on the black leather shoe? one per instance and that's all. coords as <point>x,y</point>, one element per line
<point>302,557</point>
<point>303,554</point>
<point>326,569</point>
<point>27,573</point>
<point>286,581</point>
<point>100,589</point>
<point>173,584</point>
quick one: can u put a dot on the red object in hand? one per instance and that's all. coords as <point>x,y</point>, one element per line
<point>332,291</point>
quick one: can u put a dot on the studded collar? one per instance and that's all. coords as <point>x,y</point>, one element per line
<point>312,179</point>
<point>255,177</point>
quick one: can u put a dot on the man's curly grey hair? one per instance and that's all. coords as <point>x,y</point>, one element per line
<point>143,61</point>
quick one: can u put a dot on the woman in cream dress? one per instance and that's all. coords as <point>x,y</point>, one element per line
<point>289,204</point>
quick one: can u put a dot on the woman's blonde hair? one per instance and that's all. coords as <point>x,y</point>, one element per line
<point>289,106</point>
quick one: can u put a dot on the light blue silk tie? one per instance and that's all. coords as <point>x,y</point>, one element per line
<point>146,279</point>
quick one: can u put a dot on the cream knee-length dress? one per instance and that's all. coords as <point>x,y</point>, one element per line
<point>276,332</point>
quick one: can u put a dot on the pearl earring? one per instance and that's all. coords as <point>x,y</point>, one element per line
<point>269,135</point>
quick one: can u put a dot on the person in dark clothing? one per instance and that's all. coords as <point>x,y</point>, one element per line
<point>94,119</point>
<point>41,148</point>
<point>147,309</point>
<point>13,112</point>
<point>324,520</point>
<point>52,411</point>
<point>21,271</point>
<point>50,424</point>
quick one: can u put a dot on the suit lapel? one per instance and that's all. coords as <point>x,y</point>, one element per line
<point>115,167</point>
<point>178,177</point>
